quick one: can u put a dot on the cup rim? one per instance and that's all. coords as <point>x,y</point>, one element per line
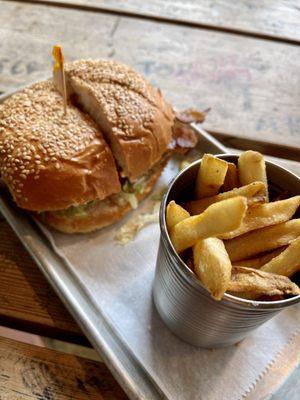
<point>189,275</point>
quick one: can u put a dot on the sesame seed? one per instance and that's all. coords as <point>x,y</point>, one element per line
<point>42,135</point>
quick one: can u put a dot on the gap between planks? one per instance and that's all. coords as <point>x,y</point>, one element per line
<point>189,65</point>
<point>30,304</point>
<point>161,19</point>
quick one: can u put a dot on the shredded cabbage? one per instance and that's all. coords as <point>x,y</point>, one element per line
<point>131,228</point>
<point>79,211</point>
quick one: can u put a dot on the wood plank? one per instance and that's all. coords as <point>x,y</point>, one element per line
<point>31,372</point>
<point>272,149</point>
<point>252,93</point>
<point>292,166</point>
<point>27,302</point>
<point>271,18</point>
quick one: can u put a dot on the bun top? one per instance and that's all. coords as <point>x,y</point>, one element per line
<point>114,72</point>
<point>132,114</point>
<point>49,160</point>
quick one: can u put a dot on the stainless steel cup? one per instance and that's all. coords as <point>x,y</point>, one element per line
<point>183,303</point>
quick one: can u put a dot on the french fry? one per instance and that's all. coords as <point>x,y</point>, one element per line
<point>175,214</point>
<point>231,179</point>
<point>257,283</point>
<point>261,247</point>
<point>211,176</point>
<point>287,263</point>
<point>258,262</point>
<point>212,266</point>
<point>218,218</point>
<point>252,168</point>
<point>254,192</point>
<point>262,240</point>
<point>264,215</point>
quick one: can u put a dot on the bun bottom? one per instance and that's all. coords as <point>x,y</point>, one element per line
<point>103,213</point>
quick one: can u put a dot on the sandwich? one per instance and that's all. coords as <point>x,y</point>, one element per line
<point>85,169</point>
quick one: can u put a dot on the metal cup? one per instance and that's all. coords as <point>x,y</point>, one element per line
<point>183,303</point>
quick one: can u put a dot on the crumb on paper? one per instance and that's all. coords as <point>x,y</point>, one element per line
<point>130,229</point>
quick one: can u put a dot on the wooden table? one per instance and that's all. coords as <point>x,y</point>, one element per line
<point>240,58</point>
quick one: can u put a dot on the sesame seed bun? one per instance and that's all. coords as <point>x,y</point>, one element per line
<point>51,161</point>
<point>135,119</point>
<point>101,213</point>
<point>117,126</point>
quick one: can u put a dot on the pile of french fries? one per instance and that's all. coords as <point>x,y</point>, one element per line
<point>241,242</point>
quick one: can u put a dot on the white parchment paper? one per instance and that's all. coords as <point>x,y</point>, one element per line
<point>119,281</point>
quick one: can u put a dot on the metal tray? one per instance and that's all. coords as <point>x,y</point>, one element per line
<point>123,365</point>
<point>101,330</point>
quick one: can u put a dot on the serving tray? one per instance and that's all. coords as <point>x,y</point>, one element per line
<point>108,290</point>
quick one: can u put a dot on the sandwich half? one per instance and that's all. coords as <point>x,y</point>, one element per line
<point>135,119</point>
<point>85,170</point>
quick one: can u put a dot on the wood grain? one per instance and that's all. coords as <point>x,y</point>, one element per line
<point>27,302</point>
<point>31,372</point>
<point>292,166</point>
<point>276,19</point>
<point>252,85</point>
<point>272,149</point>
